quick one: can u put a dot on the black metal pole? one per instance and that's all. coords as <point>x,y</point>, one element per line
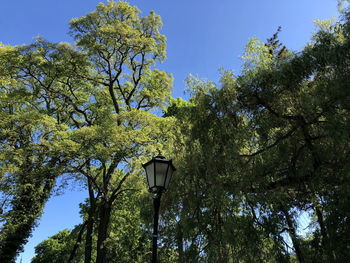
<point>156,204</point>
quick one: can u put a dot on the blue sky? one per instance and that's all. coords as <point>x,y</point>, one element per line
<point>203,35</point>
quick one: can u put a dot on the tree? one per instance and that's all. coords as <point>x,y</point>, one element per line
<point>55,249</point>
<point>29,163</point>
<point>121,48</point>
<point>96,99</point>
<point>128,239</point>
<point>254,152</point>
<point>262,148</point>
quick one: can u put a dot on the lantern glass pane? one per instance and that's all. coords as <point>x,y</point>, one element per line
<point>161,169</point>
<point>150,174</point>
<point>168,178</point>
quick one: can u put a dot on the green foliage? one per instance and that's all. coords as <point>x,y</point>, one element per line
<point>253,152</point>
<point>83,110</point>
<point>128,240</point>
<point>260,148</point>
<point>29,165</point>
<point>55,249</point>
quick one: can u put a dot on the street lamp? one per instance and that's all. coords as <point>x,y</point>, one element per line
<point>158,173</point>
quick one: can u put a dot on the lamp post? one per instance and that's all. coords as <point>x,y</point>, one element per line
<point>158,173</point>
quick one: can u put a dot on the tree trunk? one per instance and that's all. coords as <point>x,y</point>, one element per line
<point>293,235</point>
<point>104,217</point>
<point>90,224</point>
<point>179,242</point>
<point>27,207</point>
<point>326,245</point>
<point>77,243</point>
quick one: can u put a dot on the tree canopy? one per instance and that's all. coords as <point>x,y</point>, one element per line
<point>262,157</point>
